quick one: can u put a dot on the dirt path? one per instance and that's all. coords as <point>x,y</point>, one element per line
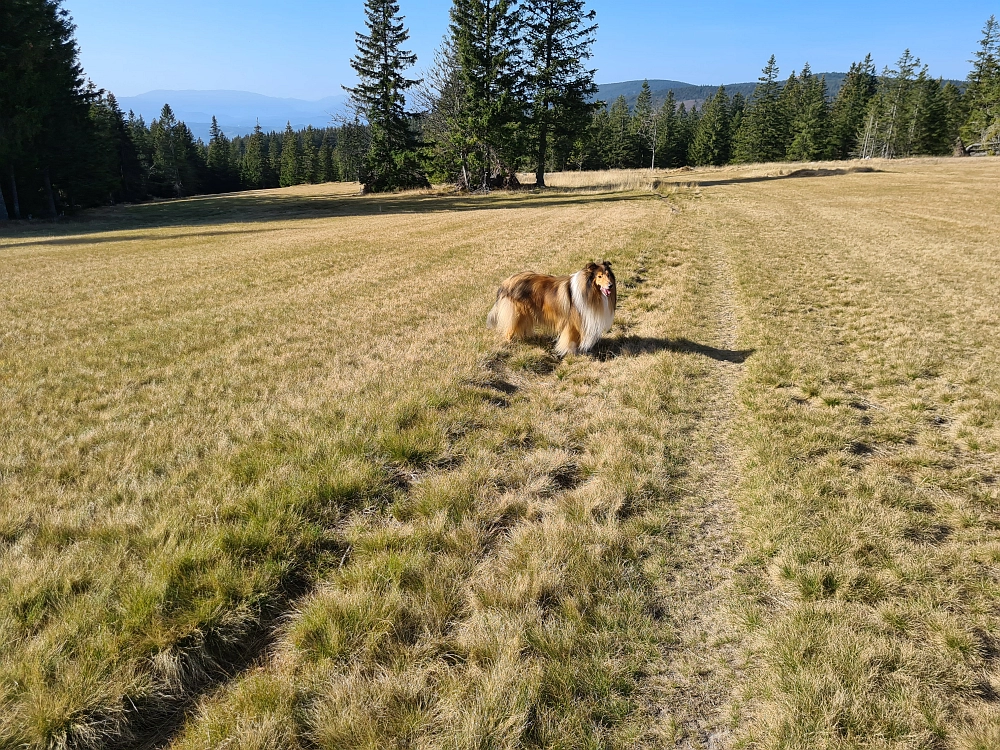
<point>694,689</point>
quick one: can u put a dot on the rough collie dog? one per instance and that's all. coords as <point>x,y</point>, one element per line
<point>578,308</point>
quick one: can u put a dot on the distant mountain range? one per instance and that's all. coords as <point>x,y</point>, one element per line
<point>691,93</point>
<point>237,112</point>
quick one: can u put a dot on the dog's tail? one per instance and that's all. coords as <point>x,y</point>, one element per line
<point>491,318</point>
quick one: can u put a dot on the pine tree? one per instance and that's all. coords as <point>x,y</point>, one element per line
<point>810,125</point>
<point>712,138</point>
<point>327,169</point>
<point>557,35</point>
<point>982,94</point>
<point>487,124</point>
<point>763,129</point>
<point>380,98</point>
<point>291,167</point>
<point>667,134</point>
<point>788,105</point>
<point>310,156</point>
<point>252,169</point>
<point>849,108</point>
<point>929,126</point>
<point>620,150</point>
<point>219,169</point>
<point>272,164</point>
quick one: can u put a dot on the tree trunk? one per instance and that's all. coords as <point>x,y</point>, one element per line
<point>543,147</point>
<point>3,206</point>
<point>13,195</point>
<point>48,193</point>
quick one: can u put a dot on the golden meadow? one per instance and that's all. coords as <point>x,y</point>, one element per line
<point>267,481</point>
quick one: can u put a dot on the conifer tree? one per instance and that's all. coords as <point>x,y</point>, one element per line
<point>619,143</point>
<point>711,143</point>
<point>810,125</point>
<point>788,106</point>
<point>667,134</point>
<point>763,129</point>
<point>291,167</point>
<point>327,167</point>
<point>487,124</point>
<point>929,132</point>
<point>309,158</point>
<point>219,170</point>
<point>272,164</point>
<point>982,94</point>
<point>557,35</point>
<point>849,108</point>
<point>380,98</point>
<point>252,169</point>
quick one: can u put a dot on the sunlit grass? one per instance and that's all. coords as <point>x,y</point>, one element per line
<point>261,461</point>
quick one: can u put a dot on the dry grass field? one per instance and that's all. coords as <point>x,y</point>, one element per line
<point>266,481</point>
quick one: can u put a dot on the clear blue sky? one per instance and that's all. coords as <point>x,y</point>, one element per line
<point>301,48</point>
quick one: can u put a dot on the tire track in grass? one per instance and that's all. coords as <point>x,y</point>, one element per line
<point>693,692</point>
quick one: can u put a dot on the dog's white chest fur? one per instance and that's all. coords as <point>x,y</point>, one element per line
<point>595,319</point>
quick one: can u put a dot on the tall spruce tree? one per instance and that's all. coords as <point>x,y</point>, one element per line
<point>488,122</point>
<point>809,130</point>
<point>848,113</point>
<point>380,99</point>
<point>220,177</point>
<point>712,138</point>
<point>982,94</point>
<point>291,167</point>
<point>557,35</point>
<point>252,168</point>
<point>763,129</point>
<point>619,149</point>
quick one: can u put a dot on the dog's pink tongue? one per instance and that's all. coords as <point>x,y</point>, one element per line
<point>607,292</point>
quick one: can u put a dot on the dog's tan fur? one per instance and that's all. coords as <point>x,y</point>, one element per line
<point>578,308</point>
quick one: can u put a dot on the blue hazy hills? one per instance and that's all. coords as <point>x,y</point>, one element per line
<point>238,111</point>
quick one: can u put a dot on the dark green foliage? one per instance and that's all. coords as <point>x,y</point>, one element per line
<point>380,99</point>
<point>763,129</point>
<point>177,160</point>
<point>222,174</point>
<point>485,123</point>
<point>982,96</point>
<point>712,138</point>
<point>290,162</point>
<point>619,145</point>
<point>809,127</point>
<point>252,169</point>
<point>850,106</point>
<point>557,36</point>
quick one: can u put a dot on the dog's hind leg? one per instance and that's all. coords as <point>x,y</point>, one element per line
<point>569,341</point>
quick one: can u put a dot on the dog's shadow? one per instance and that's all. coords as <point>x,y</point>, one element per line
<point>633,346</point>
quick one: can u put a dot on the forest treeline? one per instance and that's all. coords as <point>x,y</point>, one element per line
<point>487,109</point>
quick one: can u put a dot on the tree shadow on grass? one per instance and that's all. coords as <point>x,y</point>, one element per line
<point>798,173</point>
<point>633,346</point>
<point>261,207</point>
